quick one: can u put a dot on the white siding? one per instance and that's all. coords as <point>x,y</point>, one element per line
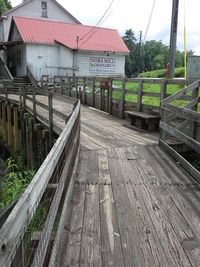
<point>18,56</point>
<point>82,62</point>
<point>49,60</point>
<point>33,10</point>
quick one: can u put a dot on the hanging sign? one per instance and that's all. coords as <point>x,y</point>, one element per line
<point>102,65</point>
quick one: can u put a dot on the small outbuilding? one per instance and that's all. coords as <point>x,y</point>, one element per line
<point>62,49</point>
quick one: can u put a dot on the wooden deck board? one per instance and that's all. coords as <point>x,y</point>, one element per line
<point>140,213</point>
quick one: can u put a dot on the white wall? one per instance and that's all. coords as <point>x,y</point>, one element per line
<point>49,60</point>
<point>32,9</point>
<point>113,65</point>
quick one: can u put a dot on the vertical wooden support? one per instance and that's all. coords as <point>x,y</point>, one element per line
<point>110,97</point>
<point>4,122</point>
<point>45,136</point>
<point>50,104</point>
<point>93,92</point>
<point>163,134</point>
<point>6,91</point>
<point>76,87</point>
<point>54,84</point>
<point>100,99</point>
<point>16,130</point>
<point>23,130</point>
<point>61,85</point>
<point>123,99</point>
<point>70,86</point>
<point>163,91</point>
<point>28,143</point>
<point>24,97</point>
<point>20,96</point>
<point>195,94</point>
<point>9,125</point>
<point>84,90</point>
<point>139,100</point>
<point>34,103</point>
<point>0,113</point>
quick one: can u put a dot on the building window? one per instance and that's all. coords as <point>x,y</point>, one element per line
<point>44,9</point>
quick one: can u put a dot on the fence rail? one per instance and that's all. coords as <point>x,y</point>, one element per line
<point>49,183</point>
<point>182,123</point>
<point>120,95</point>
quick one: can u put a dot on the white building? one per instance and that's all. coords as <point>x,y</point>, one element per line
<point>43,9</point>
<point>58,45</point>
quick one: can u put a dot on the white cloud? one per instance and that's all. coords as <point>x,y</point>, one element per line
<point>134,14</point>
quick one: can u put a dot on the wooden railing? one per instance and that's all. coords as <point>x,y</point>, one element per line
<point>24,240</point>
<point>182,122</point>
<point>121,94</point>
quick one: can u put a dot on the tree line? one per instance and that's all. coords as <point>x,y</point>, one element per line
<point>148,56</point>
<point>4,6</point>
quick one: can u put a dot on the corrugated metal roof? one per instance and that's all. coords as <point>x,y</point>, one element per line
<point>89,37</point>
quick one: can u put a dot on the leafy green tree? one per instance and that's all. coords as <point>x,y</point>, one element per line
<point>154,55</point>
<point>4,6</point>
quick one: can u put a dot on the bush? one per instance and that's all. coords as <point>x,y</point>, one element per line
<point>179,72</point>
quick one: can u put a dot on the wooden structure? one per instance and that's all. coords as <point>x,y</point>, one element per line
<point>128,203</point>
<point>183,123</point>
<point>143,120</point>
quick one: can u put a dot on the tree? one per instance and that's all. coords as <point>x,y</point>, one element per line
<point>131,60</point>
<point>4,6</point>
<point>154,55</point>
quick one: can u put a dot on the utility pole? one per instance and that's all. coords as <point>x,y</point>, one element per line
<point>173,38</point>
<point>139,52</point>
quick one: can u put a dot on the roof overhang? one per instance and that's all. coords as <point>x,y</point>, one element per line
<point>9,44</point>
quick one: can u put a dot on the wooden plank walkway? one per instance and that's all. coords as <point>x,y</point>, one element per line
<point>132,205</point>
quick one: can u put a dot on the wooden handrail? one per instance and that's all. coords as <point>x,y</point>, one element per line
<point>14,228</point>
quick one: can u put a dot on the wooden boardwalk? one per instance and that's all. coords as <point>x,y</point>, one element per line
<point>132,205</point>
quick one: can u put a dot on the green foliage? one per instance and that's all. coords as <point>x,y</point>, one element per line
<point>15,181</point>
<point>4,6</point>
<point>152,55</point>
<point>179,72</point>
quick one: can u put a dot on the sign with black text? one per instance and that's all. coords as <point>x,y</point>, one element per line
<point>102,65</point>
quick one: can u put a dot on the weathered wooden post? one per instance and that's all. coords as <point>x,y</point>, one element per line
<point>123,93</point>
<point>195,94</point>
<point>4,128</point>
<point>93,92</point>
<point>50,104</point>
<point>163,90</point>
<point>9,125</point>
<point>84,91</point>
<point>140,92</point>
<point>110,97</point>
<point>34,103</point>
<point>76,87</point>
<point>16,129</point>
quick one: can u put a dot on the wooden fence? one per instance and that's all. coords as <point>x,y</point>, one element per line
<point>25,240</point>
<point>182,123</point>
<point>121,94</point>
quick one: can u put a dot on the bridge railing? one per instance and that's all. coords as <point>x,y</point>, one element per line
<point>119,95</point>
<point>181,120</point>
<point>27,234</point>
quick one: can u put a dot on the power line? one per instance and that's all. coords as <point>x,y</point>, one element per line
<point>104,14</point>
<point>94,28</point>
<point>149,21</point>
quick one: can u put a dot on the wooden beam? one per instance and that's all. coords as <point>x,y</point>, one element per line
<point>193,144</point>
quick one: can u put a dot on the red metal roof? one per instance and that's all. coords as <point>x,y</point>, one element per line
<point>51,32</point>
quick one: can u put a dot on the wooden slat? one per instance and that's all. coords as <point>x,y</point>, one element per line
<point>195,145</point>
<point>180,93</point>
<point>91,242</point>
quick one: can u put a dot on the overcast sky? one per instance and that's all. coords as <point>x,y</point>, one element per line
<point>132,14</point>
